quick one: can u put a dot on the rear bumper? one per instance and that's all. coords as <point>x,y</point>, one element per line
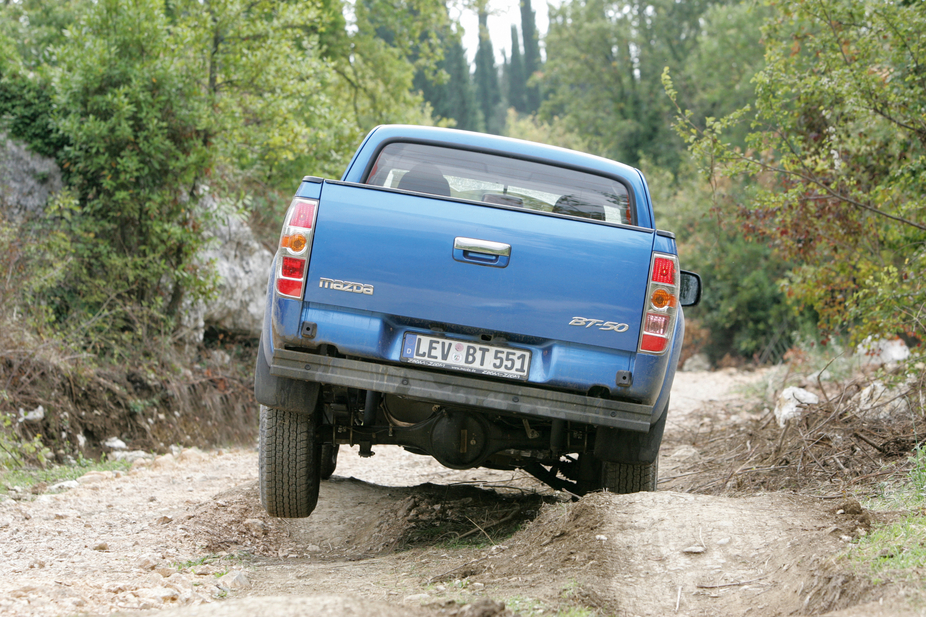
<point>378,338</point>
<point>460,390</point>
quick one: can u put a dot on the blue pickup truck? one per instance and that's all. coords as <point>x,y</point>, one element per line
<point>486,301</point>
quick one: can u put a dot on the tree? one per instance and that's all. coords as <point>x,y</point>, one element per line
<point>531,56</point>
<point>38,27</point>
<point>517,81</point>
<point>149,106</point>
<point>135,152</point>
<point>449,90</point>
<point>460,87</point>
<point>835,158</point>
<point>488,92</point>
<point>389,42</point>
<point>604,62</point>
<point>718,74</point>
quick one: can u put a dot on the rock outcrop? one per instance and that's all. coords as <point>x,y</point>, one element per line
<point>27,180</point>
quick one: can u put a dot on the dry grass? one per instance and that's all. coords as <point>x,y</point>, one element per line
<point>832,450</point>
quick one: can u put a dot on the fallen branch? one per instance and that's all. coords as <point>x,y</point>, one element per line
<point>869,442</point>
<point>510,516</point>
<point>737,584</point>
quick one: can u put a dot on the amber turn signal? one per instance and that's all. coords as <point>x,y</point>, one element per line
<point>662,298</point>
<point>295,242</point>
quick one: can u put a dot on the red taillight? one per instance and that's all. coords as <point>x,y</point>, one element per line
<point>655,344</point>
<point>293,268</point>
<point>290,287</point>
<point>663,271</point>
<point>302,214</point>
<point>661,311</point>
<point>295,246</point>
<point>297,226</point>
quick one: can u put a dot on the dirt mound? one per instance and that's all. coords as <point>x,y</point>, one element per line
<point>233,522</point>
<point>355,519</point>
<point>562,539</point>
<point>668,553</point>
<point>82,407</point>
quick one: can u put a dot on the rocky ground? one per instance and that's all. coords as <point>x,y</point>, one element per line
<point>397,534</point>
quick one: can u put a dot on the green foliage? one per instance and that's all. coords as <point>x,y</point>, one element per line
<point>391,41</point>
<point>37,28</point>
<point>717,75</point>
<point>918,473</point>
<point>742,307</point>
<point>517,79</point>
<point>25,477</point>
<point>836,153</point>
<point>532,65</point>
<point>603,73</point>
<point>135,154</point>
<point>34,260</point>
<point>151,106</point>
<point>450,91</point>
<point>532,128</point>
<point>261,88</point>
<point>27,108</point>
<point>603,65</point>
<point>16,451</point>
<point>898,550</point>
<point>745,308</point>
<point>488,90</point>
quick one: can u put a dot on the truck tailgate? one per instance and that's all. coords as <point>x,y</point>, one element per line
<point>565,279</point>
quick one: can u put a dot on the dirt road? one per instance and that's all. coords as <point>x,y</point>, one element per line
<point>397,534</point>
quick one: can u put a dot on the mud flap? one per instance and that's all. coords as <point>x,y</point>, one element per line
<point>282,393</point>
<point>622,446</point>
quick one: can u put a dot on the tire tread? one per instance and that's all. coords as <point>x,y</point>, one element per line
<point>289,463</point>
<point>623,478</point>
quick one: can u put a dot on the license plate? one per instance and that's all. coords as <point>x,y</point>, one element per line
<point>469,357</point>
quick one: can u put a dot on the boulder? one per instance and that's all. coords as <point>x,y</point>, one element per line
<point>790,403</point>
<point>877,352</point>
<point>242,264</point>
<point>697,362</point>
<point>878,402</point>
<point>114,443</point>
<point>235,579</point>
<point>35,416</point>
<point>27,180</point>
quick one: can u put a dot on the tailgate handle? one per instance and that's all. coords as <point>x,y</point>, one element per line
<point>481,252</point>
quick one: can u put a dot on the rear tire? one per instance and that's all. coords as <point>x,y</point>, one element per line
<point>290,465</point>
<point>329,459</point>
<point>281,392</point>
<point>621,478</point>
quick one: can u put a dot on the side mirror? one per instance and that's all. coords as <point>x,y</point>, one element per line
<point>689,289</point>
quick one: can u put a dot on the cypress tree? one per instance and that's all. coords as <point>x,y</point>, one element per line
<point>531,54</point>
<point>517,80</point>
<point>488,92</point>
<point>453,98</point>
<point>459,86</point>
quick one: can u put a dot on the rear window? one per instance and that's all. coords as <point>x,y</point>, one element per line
<point>494,179</point>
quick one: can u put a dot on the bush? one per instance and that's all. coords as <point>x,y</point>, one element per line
<point>835,156</point>
<point>743,308</point>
